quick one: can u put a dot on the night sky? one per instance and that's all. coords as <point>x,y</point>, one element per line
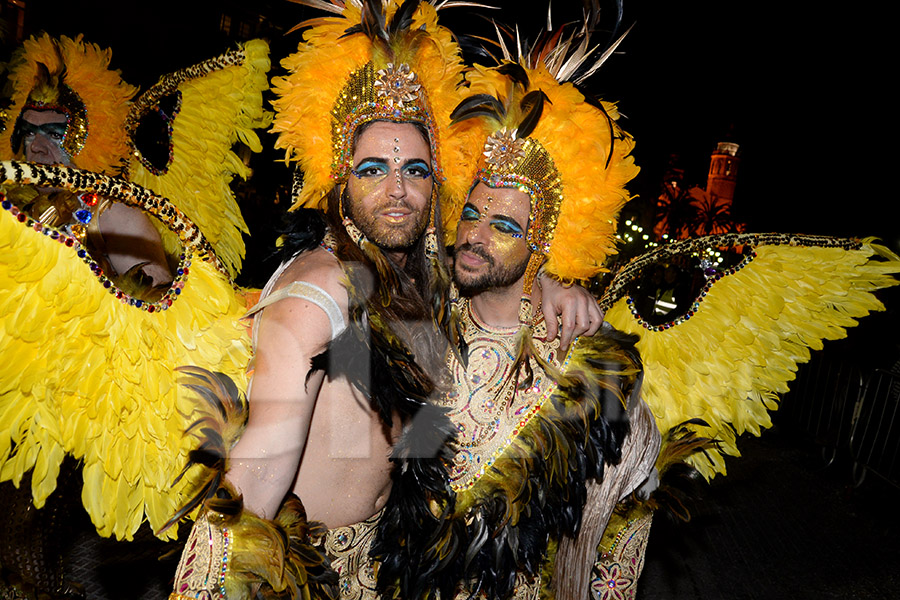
<point>793,87</point>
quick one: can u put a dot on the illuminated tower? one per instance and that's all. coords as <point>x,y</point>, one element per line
<point>723,168</point>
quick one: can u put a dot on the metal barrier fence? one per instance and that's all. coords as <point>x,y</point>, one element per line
<point>875,439</point>
<point>843,409</point>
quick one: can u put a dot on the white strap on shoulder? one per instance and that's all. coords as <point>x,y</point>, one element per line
<point>311,293</point>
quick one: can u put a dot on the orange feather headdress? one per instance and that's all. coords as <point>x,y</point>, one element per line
<point>563,148</point>
<point>73,77</point>
<point>372,61</point>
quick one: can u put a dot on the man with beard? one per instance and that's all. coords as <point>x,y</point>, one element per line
<point>349,332</point>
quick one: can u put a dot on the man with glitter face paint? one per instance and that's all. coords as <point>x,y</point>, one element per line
<point>349,343</point>
<point>69,109</point>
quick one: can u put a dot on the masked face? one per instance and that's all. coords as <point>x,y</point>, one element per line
<point>390,184</point>
<point>43,134</point>
<point>490,250</point>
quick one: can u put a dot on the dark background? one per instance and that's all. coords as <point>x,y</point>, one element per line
<point>802,89</point>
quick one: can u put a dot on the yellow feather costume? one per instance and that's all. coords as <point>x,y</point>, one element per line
<point>740,346</point>
<point>219,103</point>
<point>94,371</point>
<point>95,375</point>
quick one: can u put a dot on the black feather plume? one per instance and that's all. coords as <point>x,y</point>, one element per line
<point>403,18</point>
<point>533,106</point>
<point>516,72</point>
<point>478,105</point>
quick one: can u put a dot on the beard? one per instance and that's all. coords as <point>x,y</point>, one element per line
<point>386,235</point>
<point>495,276</point>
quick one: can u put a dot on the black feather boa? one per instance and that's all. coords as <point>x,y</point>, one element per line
<point>433,541</point>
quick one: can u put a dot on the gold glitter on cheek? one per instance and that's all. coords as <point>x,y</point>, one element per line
<point>504,242</point>
<point>362,188</point>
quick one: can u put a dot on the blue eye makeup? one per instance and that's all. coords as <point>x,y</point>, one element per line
<point>370,168</point>
<point>499,223</point>
<point>507,226</point>
<point>416,170</point>
<point>470,213</point>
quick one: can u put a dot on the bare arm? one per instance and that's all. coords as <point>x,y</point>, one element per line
<point>265,461</point>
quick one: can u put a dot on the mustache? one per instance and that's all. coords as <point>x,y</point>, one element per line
<point>477,251</point>
<point>399,203</point>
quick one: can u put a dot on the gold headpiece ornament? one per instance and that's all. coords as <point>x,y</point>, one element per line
<point>373,61</point>
<point>72,77</point>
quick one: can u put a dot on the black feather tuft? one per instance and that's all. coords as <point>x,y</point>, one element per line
<point>477,105</point>
<point>533,107</point>
<point>373,20</point>
<point>516,72</point>
<point>300,230</point>
<point>403,18</point>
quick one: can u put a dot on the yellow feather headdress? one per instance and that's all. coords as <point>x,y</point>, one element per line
<point>564,149</point>
<point>371,62</point>
<point>74,77</point>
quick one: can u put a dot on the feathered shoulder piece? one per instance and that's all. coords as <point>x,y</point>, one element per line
<point>547,137</point>
<point>73,77</point>
<point>374,60</point>
<point>232,552</point>
<point>533,492</point>
<point>742,325</point>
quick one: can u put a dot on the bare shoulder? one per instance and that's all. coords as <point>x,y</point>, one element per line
<point>320,268</point>
<point>293,320</point>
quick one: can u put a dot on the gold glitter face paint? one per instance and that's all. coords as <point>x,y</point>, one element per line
<point>392,211</point>
<point>491,249</point>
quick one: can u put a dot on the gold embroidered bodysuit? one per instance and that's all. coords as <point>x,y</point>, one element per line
<point>485,406</point>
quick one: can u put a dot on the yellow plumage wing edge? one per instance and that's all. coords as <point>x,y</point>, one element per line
<point>221,104</point>
<point>88,375</point>
<point>727,363</point>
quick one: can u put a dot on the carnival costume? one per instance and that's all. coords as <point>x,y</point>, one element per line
<point>95,376</point>
<point>370,62</point>
<point>712,371</point>
<point>545,447</point>
<point>491,536</point>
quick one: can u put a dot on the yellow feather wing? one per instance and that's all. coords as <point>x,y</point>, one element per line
<point>743,339</point>
<point>92,375</point>
<point>219,102</point>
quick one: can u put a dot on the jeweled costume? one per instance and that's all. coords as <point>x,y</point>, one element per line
<point>96,378</point>
<point>711,372</point>
<point>547,442</point>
